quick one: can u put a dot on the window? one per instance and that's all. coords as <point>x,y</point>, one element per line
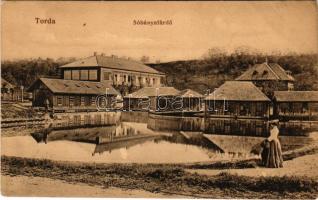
<point>98,119</point>
<point>75,74</point>
<point>66,101</point>
<point>260,109</point>
<point>67,74</point>
<point>82,101</point>
<point>305,107</point>
<point>125,78</point>
<point>107,76</point>
<point>93,100</point>
<point>77,101</point>
<point>77,120</point>
<point>87,119</point>
<point>71,101</point>
<point>59,100</point>
<point>93,75</point>
<point>87,101</point>
<point>290,86</point>
<point>84,75</point>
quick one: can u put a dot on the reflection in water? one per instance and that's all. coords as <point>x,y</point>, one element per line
<point>228,126</point>
<point>196,139</point>
<point>141,142</point>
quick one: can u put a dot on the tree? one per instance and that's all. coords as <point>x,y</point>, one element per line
<point>144,59</point>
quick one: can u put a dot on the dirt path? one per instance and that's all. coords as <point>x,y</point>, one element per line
<point>302,166</point>
<point>45,187</point>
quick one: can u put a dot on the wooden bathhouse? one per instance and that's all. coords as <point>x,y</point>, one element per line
<point>145,99</point>
<point>61,95</point>
<point>139,100</point>
<point>13,93</point>
<point>165,99</point>
<point>269,77</point>
<point>238,99</point>
<point>191,100</point>
<point>125,75</point>
<point>7,90</point>
<point>298,105</point>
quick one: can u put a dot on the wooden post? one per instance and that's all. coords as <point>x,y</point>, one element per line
<point>22,93</point>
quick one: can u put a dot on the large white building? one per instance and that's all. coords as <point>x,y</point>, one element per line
<point>113,70</point>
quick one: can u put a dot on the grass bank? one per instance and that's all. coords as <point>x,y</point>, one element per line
<point>163,178</point>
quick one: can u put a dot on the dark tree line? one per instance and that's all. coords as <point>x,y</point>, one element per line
<point>25,72</point>
<point>215,67</point>
<point>209,72</point>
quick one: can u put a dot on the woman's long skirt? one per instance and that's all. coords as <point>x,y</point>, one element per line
<point>275,156</point>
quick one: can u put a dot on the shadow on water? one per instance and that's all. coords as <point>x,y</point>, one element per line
<point>196,139</point>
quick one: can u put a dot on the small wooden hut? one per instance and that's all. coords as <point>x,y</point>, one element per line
<point>238,99</point>
<point>139,100</point>
<point>191,100</point>
<point>146,98</point>
<point>7,90</point>
<point>164,99</point>
<point>298,105</point>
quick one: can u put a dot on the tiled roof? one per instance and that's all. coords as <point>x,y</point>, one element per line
<point>282,74</point>
<point>265,71</point>
<point>238,91</point>
<point>300,96</point>
<point>153,91</point>
<point>113,63</point>
<point>75,87</point>
<point>189,93</point>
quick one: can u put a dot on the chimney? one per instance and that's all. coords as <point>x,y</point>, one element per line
<point>95,53</point>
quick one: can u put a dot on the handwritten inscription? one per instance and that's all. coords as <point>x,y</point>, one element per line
<point>44,21</point>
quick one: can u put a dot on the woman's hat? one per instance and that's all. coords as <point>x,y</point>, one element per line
<point>274,122</point>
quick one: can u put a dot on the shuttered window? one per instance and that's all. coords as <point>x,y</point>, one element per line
<point>66,101</point>
<point>71,101</point>
<point>84,75</point>
<point>107,76</point>
<point>82,101</point>
<point>75,74</point>
<point>93,74</point>
<point>67,74</point>
<point>59,100</point>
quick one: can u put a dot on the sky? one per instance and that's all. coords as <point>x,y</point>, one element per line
<point>82,28</point>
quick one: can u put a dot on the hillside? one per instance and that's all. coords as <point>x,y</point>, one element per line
<point>211,72</point>
<point>200,75</point>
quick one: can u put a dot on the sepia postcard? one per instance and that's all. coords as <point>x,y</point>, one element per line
<point>159,99</point>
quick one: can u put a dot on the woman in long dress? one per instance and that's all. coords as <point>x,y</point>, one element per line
<point>272,156</point>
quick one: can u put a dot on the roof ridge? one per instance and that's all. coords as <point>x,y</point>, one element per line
<point>282,70</point>
<point>229,88</point>
<point>97,61</point>
<point>268,66</point>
